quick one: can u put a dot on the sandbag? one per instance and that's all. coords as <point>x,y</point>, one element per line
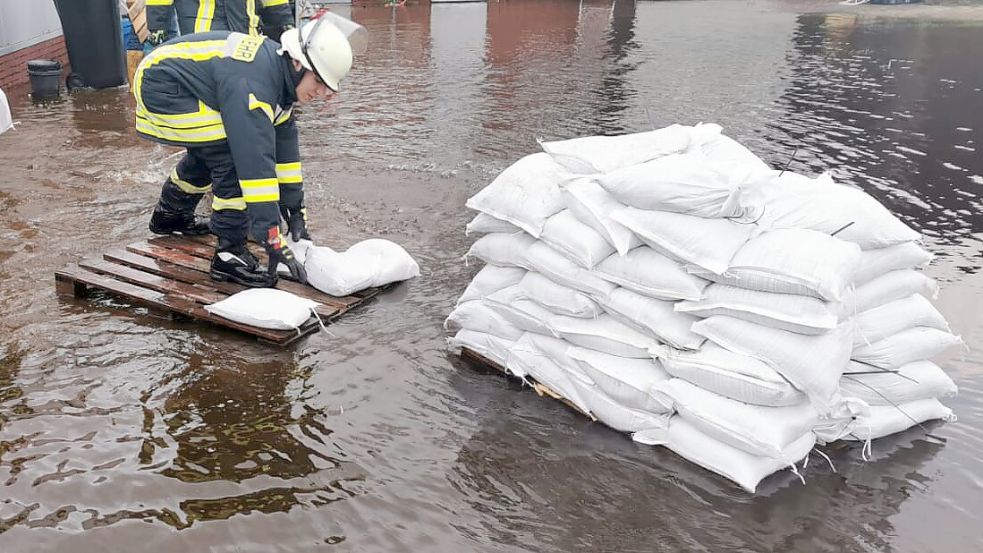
<point>795,313</point>
<point>556,267</point>
<point>680,183</point>
<point>727,155</point>
<point>603,154</point>
<point>475,315</point>
<point>6,122</point>
<point>892,286</point>
<point>911,382</point>
<point>794,201</point>
<point>491,279</point>
<point>616,415</point>
<point>891,318</point>
<point>367,264</point>
<point>627,381</point>
<point>592,206</point>
<point>558,298</point>
<point>913,344</point>
<point>876,262</point>
<point>652,274</point>
<point>558,351</point>
<point>575,240</point>
<point>706,243</point>
<point>755,429</point>
<point>603,334</point>
<point>890,419</point>
<point>503,250</point>
<point>525,194</point>
<point>791,261</point>
<point>813,364</point>
<point>656,318</point>
<point>525,357</point>
<point>265,308</point>
<point>525,314</point>
<point>493,348</point>
<point>484,223</point>
<point>732,375</point>
<point>746,470</point>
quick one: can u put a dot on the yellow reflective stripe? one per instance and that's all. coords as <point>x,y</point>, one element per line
<point>237,203</point>
<point>186,186</point>
<point>160,2</point>
<point>283,116</point>
<point>253,18</point>
<point>206,12</point>
<point>289,173</point>
<point>271,3</point>
<point>204,117</point>
<point>208,134</point>
<point>255,103</point>
<point>260,190</point>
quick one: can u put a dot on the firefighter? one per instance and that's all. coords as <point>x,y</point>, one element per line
<point>202,16</point>
<point>227,98</point>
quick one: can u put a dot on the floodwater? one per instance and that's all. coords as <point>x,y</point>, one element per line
<point>120,431</point>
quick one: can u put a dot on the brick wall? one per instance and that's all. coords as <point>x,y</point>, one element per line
<point>13,66</point>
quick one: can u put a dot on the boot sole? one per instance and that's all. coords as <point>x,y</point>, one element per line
<point>222,277</point>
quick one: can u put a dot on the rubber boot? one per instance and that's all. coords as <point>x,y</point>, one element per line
<point>163,222</point>
<point>233,262</point>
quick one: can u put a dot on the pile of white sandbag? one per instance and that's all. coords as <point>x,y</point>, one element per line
<point>671,285</point>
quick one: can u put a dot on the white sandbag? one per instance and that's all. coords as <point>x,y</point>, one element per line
<point>592,205</point>
<point>792,261</point>
<point>627,381</point>
<point>795,313</point>
<point>6,122</point>
<point>603,154</point>
<point>491,347</point>
<point>475,315</point>
<point>491,279</point>
<point>556,267</point>
<point>618,416</point>
<point>881,322</point>
<point>887,288</point>
<point>654,317</point>
<point>484,223</point>
<point>525,357</point>
<point>911,382</point>
<point>876,262</point>
<point>577,241</point>
<point>758,430</point>
<point>558,351</point>
<point>747,470</point>
<point>265,308</point>
<point>604,334</point>
<point>652,274</point>
<point>727,155</point>
<point>558,298</point>
<point>813,364</point>
<point>795,201</point>
<point>503,250</point>
<point>732,375</point>
<point>706,243</point>
<point>913,344</point>
<point>680,183</point>
<point>525,314</point>
<point>890,419</point>
<point>366,264</point>
<point>525,194</point>
<point>300,249</point>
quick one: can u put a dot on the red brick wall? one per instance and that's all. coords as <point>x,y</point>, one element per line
<point>13,66</point>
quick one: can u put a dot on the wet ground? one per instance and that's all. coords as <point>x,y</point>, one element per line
<point>123,432</point>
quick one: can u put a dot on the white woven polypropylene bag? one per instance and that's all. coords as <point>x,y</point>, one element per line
<point>526,357</point>
<point>592,205</point>
<point>913,344</point>
<point>881,322</point>
<point>604,334</point>
<point>491,279</point>
<point>558,298</point>
<point>912,382</point>
<point>475,315</point>
<point>876,262</point>
<point>795,313</point>
<point>656,318</point>
<point>265,308</point>
<point>889,287</point>
<point>493,348</point>
<point>652,274</point>
<point>525,314</point>
<point>503,250</point>
<point>484,223</point>
<point>552,264</point>
<point>578,242</point>
<point>627,381</point>
<point>603,154</point>
<point>885,420</point>
<point>525,194</point>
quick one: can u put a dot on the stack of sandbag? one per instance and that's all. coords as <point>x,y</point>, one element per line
<point>671,285</point>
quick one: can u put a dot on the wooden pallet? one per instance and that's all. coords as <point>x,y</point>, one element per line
<point>169,276</point>
<point>542,390</point>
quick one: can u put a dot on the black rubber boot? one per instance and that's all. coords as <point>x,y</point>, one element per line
<point>237,264</point>
<point>163,222</point>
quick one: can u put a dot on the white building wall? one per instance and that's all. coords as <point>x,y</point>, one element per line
<point>24,23</point>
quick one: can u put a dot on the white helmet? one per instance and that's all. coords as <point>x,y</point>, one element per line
<point>320,47</point>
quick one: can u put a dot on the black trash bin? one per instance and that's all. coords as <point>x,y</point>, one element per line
<point>94,39</point>
<point>45,78</point>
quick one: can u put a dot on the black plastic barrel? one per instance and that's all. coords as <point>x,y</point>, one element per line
<point>45,78</point>
<point>95,41</point>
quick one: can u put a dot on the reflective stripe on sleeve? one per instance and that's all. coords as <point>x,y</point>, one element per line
<point>220,204</point>
<point>256,103</point>
<point>206,12</point>
<point>260,190</point>
<point>160,2</point>
<point>289,173</point>
<point>271,3</point>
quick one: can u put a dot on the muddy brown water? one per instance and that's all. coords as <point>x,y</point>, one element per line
<point>123,432</point>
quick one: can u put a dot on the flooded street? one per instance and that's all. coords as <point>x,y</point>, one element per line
<point>120,431</point>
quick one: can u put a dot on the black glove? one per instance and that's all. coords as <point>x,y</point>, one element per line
<point>278,252</point>
<point>296,222</point>
<point>157,37</point>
